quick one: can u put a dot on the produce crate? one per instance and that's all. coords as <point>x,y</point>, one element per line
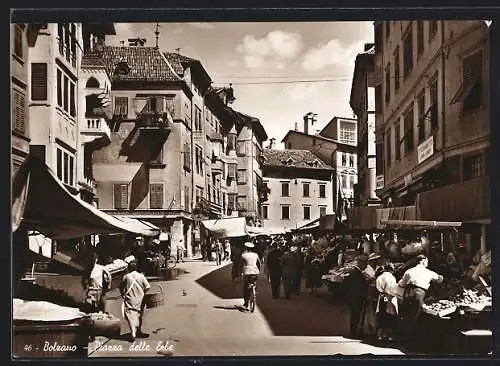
<point>441,313</point>
<point>39,339</point>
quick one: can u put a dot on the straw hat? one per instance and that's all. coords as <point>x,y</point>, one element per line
<point>249,245</point>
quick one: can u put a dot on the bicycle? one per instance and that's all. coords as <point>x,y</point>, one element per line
<point>252,300</point>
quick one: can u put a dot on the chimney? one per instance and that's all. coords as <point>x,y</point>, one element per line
<point>297,126</point>
<point>306,124</point>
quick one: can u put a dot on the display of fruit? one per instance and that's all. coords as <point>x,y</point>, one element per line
<point>472,297</point>
<point>101,316</point>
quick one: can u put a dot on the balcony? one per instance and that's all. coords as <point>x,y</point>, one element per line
<point>94,129</point>
<point>88,184</point>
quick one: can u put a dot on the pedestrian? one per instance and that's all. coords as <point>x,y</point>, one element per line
<point>290,268</point>
<point>180,253</point>
<point>133,287</point>
<point>416,282</point>
<point>227,250</point>
<point>355,289</point>
<point>236,259</point>
<point>96,280</point>
<point>300,270</point>
<point>313,274</point>
<point>250,271</point>
<point>387,303</point>
<point>220,252</point>
<point>274,270</point>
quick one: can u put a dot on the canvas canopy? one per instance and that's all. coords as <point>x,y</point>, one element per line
<point>232,227</point>
<point>42,203</point>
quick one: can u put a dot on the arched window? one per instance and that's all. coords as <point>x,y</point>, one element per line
<point>92,82</point>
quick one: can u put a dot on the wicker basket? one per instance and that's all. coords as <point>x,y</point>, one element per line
<point>154,297</point>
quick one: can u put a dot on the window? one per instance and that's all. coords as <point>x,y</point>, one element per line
<point>121,196</point>
<point>389,144</point>
<point>242,176</point>
<point>421,117</point>
<point>18,106</point>
<point>156,195</point>
<point>473,167</point>
<point>397,74</point>
<point>348,133</point>
<point>197,119</point>
<point>351,161</point>
<point>322,190</point>
<point>66,168</point>
<point>72,100</point>
<point>433,27</point>
<point>433,91</point>
<point>187,198</point>
<point>59,164</point>
<point>285,212</point>
<point>231,201</point>
<point>38,81</point>
<point>322,211</point>
<point>59,88</point>
<point>18,40</point>
<point>231,171</point>
<point>472,69</point>
<point>187,156</point>
<point>121,106</point>
<point>240,147</point>
<point>387,30</point>
<point>408,129</point>
<point>305,189</point>
<point>378,99</point>
<point>379,150</point>
<point>408,53</point>
<point>242,203</point>
<point>397,138</point>
<point>231,141</point>
<point>343,179</point>
<point>388,84</point>
<point>66,93</point>
<point>420,38</point>
<point>285,189</point>
<point>344,159</point>
<point>71,170</point>
<point>92,82</point>
<point>307,212</point>
<point>265,212</point>
<point>351,181</point>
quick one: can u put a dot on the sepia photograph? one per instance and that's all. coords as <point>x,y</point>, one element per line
<point>226,189</point>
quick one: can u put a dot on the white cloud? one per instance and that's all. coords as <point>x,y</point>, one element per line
<point>331,53</point>
<point>202,25</point>
<point>275,46</point>
<point>179,30</point>
<point>303,91</point>
<point>233,63</point>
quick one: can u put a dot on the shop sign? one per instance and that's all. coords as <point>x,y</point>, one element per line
<point>380,182</point>
<point>425,149</point>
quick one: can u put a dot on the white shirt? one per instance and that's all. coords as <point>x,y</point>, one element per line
<point>250,260</point>
<point>386,282</point>
<point>419,276</point>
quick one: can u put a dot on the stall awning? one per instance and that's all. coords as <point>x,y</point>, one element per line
<point>232,227</point>
<point>309,227</point>
<point>465,201</point>
<point>421,224</point>
<point>406,213</point>
<point>362,218</point>
<point>139,224</point>
<point>256,231</point>
<point>42,203</point>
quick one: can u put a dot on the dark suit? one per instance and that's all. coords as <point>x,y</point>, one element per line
<point>355,289</point>
<point>274,268</point>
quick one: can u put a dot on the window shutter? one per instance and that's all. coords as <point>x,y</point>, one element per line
<point>156,195</point>
<point>19,111</point>
<point>72,101</point>
<point>39,81</point>
<point>121,196</point>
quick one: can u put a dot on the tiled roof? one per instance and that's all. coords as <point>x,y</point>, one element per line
<point>92,59</point>
<point>293,158</point>
<point>145,63</point>
<point>176,61</point>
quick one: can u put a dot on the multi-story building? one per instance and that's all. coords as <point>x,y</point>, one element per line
<point>344,131</point>
<point>362,102</point>
<point>339,155</point>
<point>301,188</point>
<point>54,62</point>
<point>433,117</point>
<point>20,92</point>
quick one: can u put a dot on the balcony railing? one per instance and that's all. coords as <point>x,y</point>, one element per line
<point>94,128</point>
<point>153,120</point>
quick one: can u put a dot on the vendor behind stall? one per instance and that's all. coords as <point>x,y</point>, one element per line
<point>416,282</point>
<point>96,280</point>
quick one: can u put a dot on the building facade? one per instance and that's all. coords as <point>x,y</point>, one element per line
<point>362,102</point>
<point>54,62</point>
<point>301,188</point>
<point>20,93</point>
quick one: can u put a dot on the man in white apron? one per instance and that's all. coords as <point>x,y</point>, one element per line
<point>133,287</point>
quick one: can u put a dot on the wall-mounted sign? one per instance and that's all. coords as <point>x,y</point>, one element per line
<point>425,149</point>
<point>380,182</point>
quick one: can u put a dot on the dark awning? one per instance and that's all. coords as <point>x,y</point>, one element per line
<point>464,202</point>
<point>43,203</point>
<point>309,227</point>
<point>420,224</point>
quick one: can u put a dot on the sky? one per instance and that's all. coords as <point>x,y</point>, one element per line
<point>275,68</point>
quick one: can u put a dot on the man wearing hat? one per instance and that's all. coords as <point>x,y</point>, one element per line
<point>355,293</point>
<point>251,270</point>
<point>416,282</point>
